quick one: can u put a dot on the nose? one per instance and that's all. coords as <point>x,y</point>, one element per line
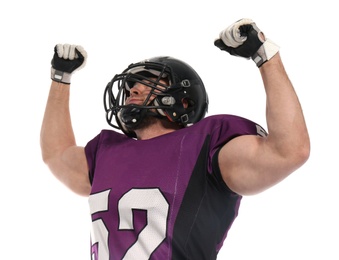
<point>137,88</point>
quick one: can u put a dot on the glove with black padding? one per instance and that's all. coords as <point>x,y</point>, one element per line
<point>66,60</point>
<point>244,39</point>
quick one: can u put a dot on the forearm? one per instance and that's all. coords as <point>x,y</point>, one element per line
<point>285,121</point>
<point>56,131</point>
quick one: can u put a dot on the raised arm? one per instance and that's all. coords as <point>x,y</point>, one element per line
<point>251,164</point>
<point>66,160</point>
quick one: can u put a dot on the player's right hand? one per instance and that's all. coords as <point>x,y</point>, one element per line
<point>66,60</point>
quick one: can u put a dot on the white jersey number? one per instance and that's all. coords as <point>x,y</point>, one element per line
<point>149,238</point>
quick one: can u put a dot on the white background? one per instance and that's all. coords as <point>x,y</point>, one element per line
<point>41,219</point>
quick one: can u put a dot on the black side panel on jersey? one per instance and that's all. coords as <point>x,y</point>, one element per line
<point>206,213</point>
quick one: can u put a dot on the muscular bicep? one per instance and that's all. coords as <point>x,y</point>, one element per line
<point>249,165</point>
<point>71,169</point>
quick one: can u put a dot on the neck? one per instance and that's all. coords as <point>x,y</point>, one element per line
<point>157,128</point>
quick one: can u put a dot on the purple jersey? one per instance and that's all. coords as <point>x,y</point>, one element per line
<point>162,198</point>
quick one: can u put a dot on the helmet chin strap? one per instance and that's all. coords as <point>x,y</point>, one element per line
<point>131,116</point>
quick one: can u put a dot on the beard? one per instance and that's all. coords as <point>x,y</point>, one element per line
<point>135,118</point>
<point>145,122</point>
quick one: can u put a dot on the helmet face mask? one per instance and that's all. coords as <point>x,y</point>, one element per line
<point>172,83</point>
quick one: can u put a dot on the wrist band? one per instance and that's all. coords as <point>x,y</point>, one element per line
<point>265,52</point>
<point>60,76</point>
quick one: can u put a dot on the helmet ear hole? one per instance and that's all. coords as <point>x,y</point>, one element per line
<point>185,102</point>
<point>190,103</point>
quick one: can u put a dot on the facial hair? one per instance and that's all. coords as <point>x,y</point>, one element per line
<point>146,122</point>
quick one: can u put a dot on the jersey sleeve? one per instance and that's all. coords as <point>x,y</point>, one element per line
<point>229,127</point>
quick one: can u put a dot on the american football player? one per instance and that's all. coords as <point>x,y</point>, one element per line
<point>169,184</point>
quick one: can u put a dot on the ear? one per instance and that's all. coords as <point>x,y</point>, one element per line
<point>184,102</point>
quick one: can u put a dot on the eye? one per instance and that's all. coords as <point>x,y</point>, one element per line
<point>129,85</point>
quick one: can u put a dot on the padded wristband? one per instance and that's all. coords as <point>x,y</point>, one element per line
<point>60,76</point>
<point>265,52</point>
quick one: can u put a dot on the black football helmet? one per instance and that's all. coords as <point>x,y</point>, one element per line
<point>164,100</point>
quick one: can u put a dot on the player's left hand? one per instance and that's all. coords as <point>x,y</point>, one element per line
<point>243,38</point>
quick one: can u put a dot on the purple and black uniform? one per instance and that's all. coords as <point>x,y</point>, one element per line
<point>163,198</point>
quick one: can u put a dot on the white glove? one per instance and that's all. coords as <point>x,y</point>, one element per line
<point>243,38</point>
<point>66,60</point>
<point>231,35</point>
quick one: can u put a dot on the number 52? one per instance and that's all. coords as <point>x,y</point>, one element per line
<point>151,200</point>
